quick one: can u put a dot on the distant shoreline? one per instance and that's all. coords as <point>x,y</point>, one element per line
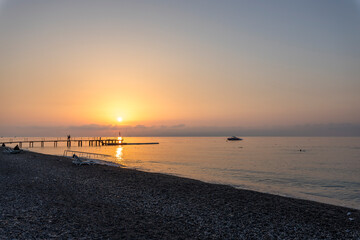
<point>48,196</point>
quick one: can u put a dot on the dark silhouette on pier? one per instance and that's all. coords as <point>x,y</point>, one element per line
<point>96,141</point>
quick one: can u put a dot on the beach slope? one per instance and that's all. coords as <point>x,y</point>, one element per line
<point>45,197</point>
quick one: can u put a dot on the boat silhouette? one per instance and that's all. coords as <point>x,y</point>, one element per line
<point>234,138</point>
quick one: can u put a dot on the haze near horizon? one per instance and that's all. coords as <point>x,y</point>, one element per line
<point>179,67</point>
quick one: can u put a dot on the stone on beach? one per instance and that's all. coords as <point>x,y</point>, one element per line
<point>47,196</point>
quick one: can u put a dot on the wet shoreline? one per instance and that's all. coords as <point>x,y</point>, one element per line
<point>46,197</point>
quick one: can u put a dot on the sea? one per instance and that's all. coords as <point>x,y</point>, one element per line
<point>322,169</point>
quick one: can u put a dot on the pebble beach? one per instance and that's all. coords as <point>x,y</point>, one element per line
<point>49,197</point>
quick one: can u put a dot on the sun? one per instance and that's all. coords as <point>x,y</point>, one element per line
<point>119,119</point>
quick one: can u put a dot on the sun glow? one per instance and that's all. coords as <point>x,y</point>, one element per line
<point>119,119</point>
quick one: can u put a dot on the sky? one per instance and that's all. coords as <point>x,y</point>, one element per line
<point>255,67</point>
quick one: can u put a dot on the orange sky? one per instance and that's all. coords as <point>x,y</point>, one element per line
<point>70,63</point>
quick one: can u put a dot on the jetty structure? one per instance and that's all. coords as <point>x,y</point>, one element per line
<point>95,141</point>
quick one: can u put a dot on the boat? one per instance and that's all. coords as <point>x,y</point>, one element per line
<point>233,138</point>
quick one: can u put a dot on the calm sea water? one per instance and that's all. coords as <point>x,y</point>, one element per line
<point>327,171</point>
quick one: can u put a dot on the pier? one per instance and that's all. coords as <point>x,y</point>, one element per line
<point>91,142</point>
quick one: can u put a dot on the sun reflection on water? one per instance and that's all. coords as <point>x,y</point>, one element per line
<point>119,153</point>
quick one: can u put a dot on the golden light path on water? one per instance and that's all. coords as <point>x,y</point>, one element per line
<point>119,154</point>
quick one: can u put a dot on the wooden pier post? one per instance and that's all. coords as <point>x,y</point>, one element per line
<point>55,143</point>
<point>42,144</point>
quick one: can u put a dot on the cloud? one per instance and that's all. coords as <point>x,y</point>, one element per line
<point>90,127</point>
<point>343,129</point>
<point>178,126</point>
<point>94,130</point>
